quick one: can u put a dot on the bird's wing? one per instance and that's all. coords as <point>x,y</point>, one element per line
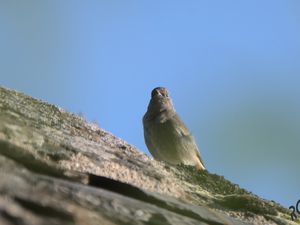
<point>186,134</point>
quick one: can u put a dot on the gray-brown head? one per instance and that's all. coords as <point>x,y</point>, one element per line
<point>160,100</point>
<point>159,92</point>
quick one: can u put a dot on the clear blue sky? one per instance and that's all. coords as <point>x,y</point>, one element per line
<point>232,67</point>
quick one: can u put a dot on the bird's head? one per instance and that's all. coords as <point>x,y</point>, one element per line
<point>160,100</point>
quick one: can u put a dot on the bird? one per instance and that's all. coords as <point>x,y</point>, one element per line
<point>166,136</point>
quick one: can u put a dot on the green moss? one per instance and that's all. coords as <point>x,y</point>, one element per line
<point>227,194</point>
<point>213,183</point>
<point>248,203</point>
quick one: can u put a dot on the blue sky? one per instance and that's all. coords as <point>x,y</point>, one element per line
<point>232,68</point>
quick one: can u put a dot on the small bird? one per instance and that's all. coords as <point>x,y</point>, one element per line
<point>166,136</point>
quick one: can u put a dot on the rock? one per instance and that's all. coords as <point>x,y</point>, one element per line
<point>56,168</point>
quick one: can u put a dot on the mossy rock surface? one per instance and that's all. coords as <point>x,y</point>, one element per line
<point>57,168</point>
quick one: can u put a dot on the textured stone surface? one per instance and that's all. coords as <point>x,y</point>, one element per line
<point>56,168</point>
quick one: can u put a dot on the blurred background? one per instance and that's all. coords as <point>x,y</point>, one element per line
<point>232,68</point>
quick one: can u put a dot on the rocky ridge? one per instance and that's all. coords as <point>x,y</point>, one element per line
<point>56,168</point>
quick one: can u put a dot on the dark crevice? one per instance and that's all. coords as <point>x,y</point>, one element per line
<point>45,211</point>
<point>11,218</point>
<point>136,193</point>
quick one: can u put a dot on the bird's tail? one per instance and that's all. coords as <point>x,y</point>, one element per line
<point>200,166</point>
